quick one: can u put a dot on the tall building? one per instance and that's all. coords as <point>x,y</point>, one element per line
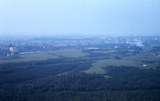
<point>12,50</point>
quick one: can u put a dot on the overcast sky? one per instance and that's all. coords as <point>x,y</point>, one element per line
<point>109,17</point>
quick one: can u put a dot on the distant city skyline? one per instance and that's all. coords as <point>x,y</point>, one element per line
<point>79,17</point>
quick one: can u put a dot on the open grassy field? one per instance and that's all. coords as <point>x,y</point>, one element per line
<point>141,62</point>
<point>100,66</point>
<point>70,53</point>
<point>44,55</point>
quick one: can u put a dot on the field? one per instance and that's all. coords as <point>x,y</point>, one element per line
<point>138,61</point>
<point>44,55</point>
<point>101,65</point>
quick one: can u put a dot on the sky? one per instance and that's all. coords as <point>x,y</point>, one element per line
<point>91,17</point>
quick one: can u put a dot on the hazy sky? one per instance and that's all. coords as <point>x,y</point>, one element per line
<point>34,17</point>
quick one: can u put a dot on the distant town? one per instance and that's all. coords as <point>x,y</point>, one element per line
<point>13,47</point>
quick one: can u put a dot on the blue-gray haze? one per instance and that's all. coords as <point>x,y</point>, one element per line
<point>104,17</point>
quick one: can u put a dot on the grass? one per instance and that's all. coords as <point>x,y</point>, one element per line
<point>27,57</point>
<point>70,53</point>
<point>100,66</point>
<point>44,55</point>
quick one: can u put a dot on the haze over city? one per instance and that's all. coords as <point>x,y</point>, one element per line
<point>86,17</point>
